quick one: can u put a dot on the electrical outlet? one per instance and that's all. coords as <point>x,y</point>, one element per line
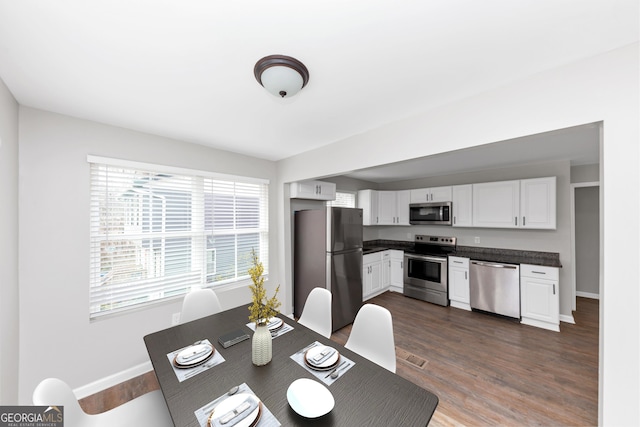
<point>175,319</point>
<point>477,239</point>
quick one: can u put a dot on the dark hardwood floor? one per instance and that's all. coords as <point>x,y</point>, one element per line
<point>486,370</point>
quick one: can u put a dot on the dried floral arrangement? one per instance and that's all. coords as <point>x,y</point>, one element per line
<point>262,308</point>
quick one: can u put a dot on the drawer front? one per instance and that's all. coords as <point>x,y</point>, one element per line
<point>540,272</point>
<point>456,261</point>
<point>374,257</point>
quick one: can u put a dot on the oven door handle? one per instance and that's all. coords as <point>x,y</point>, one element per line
<point>428,258</point>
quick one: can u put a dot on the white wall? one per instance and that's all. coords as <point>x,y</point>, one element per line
<point>602,88</point>
<point>8,247</point>
<point>56,336</point>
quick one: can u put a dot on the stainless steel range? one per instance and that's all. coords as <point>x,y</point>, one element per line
<point>425,270</point>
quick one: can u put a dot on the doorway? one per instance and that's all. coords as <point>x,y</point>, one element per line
<point>585,204</point>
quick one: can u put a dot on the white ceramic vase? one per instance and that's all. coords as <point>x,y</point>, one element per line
<point>261,346</point>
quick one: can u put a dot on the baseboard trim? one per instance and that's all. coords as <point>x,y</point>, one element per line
<point>567,319</point>
<point>112,380</point>
<point>587,295</point>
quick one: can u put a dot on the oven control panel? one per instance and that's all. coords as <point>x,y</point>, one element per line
<point>435,240</point>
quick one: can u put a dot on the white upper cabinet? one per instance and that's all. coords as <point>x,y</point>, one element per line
<point>402,207</point>
<point>496,204</point>
<point>387,207</point>
<point>314,190</point>
<point>538,203</point>
<point>526,203</point>
<point>368,202</point>
<point>462,205</point>
<point>428,195</point>
<point>384,207</point>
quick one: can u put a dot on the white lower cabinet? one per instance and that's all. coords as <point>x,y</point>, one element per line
<point>397,270</point>
<point>459,282</point>
<point>381,271</point>
<point>540,296</point>
<point>371,275</point>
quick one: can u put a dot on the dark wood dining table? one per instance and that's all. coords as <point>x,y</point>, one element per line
<point>365,395</point>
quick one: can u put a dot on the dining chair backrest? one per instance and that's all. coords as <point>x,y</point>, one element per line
<point>199,303</point>
<point>372,336</point>
<point>149,409</point>
<point>53,391</point>
<point>316,313</point>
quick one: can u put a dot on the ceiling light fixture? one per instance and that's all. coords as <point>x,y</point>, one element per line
<point>281,75</point>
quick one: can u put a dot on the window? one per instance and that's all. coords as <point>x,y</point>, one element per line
<point>156,232</point>
<point>344,200</point>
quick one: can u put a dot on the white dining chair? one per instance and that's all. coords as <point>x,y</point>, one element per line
<point>372,336</point>
<point>199,303</point>
<point>149,409</point>
<point>316,313</point>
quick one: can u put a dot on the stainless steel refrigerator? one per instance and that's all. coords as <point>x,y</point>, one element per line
<point>328,254</point>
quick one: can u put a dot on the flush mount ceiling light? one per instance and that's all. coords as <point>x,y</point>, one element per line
<point>281,75</point>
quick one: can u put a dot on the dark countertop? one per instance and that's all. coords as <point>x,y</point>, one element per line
<point>508,256</point>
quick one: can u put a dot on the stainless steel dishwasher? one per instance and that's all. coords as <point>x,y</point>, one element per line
<point>495,287</point>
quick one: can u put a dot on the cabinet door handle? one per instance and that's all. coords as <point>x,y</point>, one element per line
<point>516,220</point>
<point>454,220</point>
<point>457,262</point>
<point>538,272</point>
<point>554,289</point>
<point>524,221</point>
<point>465,275</point>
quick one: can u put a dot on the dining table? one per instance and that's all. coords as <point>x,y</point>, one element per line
<point>361,394</point>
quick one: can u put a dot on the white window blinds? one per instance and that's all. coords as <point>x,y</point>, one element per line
<point>157,232</point>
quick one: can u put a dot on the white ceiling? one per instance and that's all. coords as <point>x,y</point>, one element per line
<point>184,69</point>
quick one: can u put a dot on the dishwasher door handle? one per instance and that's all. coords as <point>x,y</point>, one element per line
<point>489,264</point>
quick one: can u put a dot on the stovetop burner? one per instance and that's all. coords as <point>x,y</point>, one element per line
<point>434,245</point>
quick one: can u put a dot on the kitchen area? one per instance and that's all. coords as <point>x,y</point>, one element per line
<point>486,245</point>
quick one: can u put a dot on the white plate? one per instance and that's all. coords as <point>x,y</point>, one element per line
<point>327,363</point>
<point>232,402</point>
<point>309,398</point>
<point>194,354</point>
<point>275,323</point>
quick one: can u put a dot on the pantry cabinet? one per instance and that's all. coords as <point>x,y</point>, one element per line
<point>540,296</point>
<point>428,195</point>
<point>459,283</point>
<point>313,190</point>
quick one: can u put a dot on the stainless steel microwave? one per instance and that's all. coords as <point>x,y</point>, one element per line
<point>437,213</point>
